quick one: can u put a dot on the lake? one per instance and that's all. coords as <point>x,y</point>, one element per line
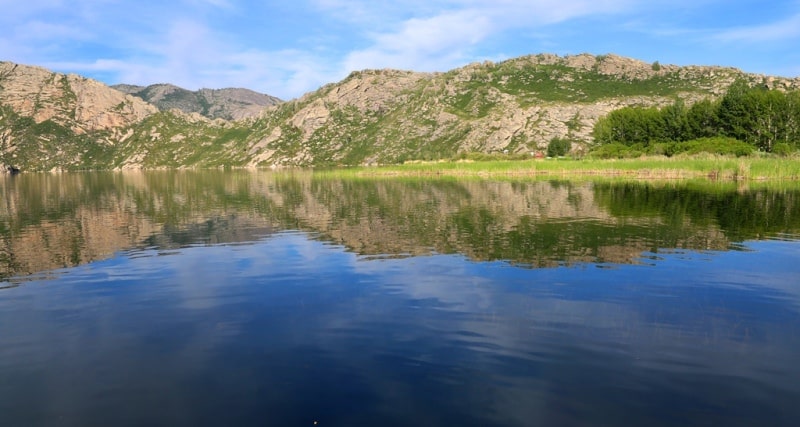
<point>259,298</point>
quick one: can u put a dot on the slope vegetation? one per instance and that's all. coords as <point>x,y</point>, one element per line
<point>52,121</point>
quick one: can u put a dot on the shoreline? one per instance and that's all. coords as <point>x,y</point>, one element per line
<point>728,169</point>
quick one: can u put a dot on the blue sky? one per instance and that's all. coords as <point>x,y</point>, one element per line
<point>287,48</point>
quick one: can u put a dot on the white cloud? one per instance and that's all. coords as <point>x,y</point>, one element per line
<point>423,43</point>
<point>191,54</point>
<point>787,29</point>
<point>519,12</point>
<point>285,73</point>
<point>46,31</point>
<point>14,9</point>
<point>280,73</point>
<point>446,39</point>
<point>223,4</point>
<point>191,43</point>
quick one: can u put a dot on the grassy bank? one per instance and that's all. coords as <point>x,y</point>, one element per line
<point>653,168</point>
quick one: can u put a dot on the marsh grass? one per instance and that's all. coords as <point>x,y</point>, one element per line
<point>707,167</point>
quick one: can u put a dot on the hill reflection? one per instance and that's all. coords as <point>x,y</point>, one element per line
<point>51,221</point>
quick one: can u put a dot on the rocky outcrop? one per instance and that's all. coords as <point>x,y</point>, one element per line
<point>75,102</point>
<point>227,104</point>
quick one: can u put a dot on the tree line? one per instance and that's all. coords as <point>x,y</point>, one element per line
<point>762,119</point>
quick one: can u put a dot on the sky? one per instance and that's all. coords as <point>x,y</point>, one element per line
<point>287,48</point>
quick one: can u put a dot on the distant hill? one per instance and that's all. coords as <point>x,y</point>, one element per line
<point>52,121</point>
<point>228,104</point>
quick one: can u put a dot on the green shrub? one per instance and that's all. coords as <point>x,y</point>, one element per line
<point>558,147</point>
<point>485,157</point>
<point>662,148</point>
<point>715,145</point>
<point>782,149</point>
<point>616,150</point>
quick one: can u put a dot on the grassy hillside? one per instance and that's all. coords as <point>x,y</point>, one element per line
<point>48,145</point>
<point>379,117</point>
<point>516,106</point>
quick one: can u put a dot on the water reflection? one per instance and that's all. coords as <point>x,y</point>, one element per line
<point>249,298</point>
<point>288,330</point>
<point>55,221</point>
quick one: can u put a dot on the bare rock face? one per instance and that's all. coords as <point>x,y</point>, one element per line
<point>374,90</point>
<point>76,102</point>
<point>227,104</point>
<point>235,103</point>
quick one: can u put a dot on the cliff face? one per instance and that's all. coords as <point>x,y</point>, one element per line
<point>52,121</point>
<point>78,103</point>
<point>55,121</point>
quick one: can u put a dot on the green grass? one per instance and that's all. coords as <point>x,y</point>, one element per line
<point>560,83</point>
<point>711,168</point>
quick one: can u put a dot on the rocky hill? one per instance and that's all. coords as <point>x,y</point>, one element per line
<point>55,121</point>
<point>80,104</point>
<point>61,121</point>
<point>516,106</point>
<point>228,104</point>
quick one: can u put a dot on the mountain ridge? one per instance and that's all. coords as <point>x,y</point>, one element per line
<point>371,116</point>
<point>225,103</point>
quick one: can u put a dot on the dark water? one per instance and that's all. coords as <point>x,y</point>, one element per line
<point>238,298</point>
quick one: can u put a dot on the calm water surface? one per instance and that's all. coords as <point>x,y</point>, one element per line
<point>251,298</point>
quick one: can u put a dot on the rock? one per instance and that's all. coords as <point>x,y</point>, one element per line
<point>76,102</point>
<point>227,104</point>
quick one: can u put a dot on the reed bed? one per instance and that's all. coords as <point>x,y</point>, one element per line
<point>714,168</point>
